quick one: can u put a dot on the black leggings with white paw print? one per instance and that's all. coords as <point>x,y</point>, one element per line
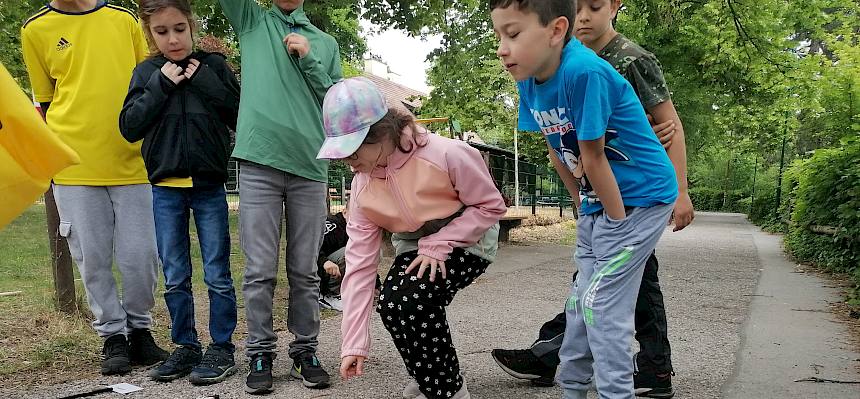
<point>413,311</point>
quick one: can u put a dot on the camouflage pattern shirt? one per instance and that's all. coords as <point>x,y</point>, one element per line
<point>640,68</point>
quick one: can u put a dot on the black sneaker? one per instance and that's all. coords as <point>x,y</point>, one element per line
<point>216,366</point>
<point>523,364</point>
<point>307,367</point>
<point>653,385</point>
<point>259,380</point>
<point>142,349</point>
<point>115,356</point>
<point>178,364</point>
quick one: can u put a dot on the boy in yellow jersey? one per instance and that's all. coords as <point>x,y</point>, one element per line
<point>80,55</point>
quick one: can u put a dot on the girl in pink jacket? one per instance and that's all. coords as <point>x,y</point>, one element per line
<point>437,198</point>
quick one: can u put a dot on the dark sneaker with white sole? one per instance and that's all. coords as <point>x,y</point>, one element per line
<point>142,349</point>
<point>652,385</point>
<point>523,364</point>
<point>307,367</point>
<point>178,364</point>
<point>259,379</point>
<point>216,366</point>
<point>115,356</point>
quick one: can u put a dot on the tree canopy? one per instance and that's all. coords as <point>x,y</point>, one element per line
<point>746,77</point>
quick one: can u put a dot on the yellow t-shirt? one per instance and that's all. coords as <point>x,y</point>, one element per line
<point>82,64</point>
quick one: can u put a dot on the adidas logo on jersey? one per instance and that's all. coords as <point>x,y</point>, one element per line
<point>63,44</point>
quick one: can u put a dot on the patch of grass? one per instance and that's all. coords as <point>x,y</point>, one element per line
<point>542,220</point>
<point>541,231</point>
<point>25,260</point>
<point>45,346</point>
<point>38,344</point>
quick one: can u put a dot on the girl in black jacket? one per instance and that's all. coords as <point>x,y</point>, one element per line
<point>182,105</point>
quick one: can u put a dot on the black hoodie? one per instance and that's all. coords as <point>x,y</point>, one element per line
<point>184,127</point>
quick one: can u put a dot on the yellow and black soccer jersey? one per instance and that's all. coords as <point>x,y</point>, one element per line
<point>82,64</point>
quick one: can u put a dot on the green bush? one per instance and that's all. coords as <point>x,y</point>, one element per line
<point>824,190</point>
<point>713,199</point>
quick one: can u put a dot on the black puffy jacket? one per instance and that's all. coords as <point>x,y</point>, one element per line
<point>184,127</point>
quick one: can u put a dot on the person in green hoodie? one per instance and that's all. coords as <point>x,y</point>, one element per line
<point>287,66</point>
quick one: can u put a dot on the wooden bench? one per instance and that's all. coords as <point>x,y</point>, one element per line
<point>335,194</point>
<point>506,224</point>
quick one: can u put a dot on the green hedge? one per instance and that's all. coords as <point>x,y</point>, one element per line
<point>824,190</point>
<point>713,199</point>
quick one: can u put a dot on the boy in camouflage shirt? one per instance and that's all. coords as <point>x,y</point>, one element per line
<point>593,26</point>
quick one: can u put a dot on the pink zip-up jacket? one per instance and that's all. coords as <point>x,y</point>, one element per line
<point>431,182</point>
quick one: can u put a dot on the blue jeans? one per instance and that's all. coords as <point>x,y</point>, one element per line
<point>172,208</point>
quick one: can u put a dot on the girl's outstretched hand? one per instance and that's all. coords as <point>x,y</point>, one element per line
<point>351,366</point>
<point>424,262</point>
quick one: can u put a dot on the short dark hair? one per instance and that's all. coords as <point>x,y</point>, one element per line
<point>546,10</point>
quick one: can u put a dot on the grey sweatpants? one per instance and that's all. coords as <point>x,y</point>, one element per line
<point>104,224</point>
<point>610,256</point>
<point>266,195</point>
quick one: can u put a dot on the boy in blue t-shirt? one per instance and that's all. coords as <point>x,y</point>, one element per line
<point>604,146</point>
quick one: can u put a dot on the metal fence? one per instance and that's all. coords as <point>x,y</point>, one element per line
<point>537,191</point>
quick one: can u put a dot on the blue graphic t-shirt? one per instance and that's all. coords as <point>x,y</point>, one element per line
<point>587,99</point>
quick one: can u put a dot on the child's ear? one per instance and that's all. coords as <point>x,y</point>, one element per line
<point>560,29</point>
<point>616,6</point>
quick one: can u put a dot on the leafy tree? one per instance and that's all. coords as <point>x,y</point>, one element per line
<point>336,17</point>
<point>746,78</point>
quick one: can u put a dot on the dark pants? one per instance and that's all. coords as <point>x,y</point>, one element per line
<point>172,208</point>
<point>652,332</point>
<point>330,286</point>
<point>413,312</point>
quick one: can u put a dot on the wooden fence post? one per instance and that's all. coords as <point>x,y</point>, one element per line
<point>61,260</point>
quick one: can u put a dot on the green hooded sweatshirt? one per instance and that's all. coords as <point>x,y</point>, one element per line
<point>280,114</point>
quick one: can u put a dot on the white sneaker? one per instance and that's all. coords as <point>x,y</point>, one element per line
<point>463,393</point>
<point>411,391</point>
<point>331,302</point>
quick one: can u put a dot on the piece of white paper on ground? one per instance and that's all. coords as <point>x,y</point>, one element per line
<point>124,388</point>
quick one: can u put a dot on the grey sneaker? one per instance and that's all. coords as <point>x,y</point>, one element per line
<point>331,302</point>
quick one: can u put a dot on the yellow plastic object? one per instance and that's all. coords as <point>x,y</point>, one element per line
<point>30,154</point>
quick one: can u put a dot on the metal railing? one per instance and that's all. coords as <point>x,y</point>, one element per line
<point>541,192</point>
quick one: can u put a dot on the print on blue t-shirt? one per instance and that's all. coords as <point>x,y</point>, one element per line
<point>587,99</point>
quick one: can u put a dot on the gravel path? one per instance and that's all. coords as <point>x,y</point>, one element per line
<point>709,274</point>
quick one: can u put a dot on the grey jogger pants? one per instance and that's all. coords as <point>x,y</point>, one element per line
<point>107,223</point>
<point>610,256</point>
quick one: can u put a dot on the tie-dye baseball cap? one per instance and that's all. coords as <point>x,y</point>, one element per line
<point>349,109</point>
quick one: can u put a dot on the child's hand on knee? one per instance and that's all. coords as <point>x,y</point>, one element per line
<point>351,366</point>
<point>332,269</point>
<point>424,262</point>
